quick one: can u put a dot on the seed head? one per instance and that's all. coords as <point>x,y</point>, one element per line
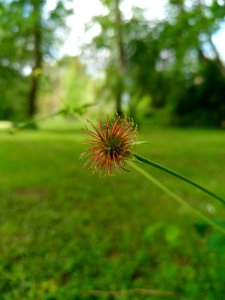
<point>112,144</point>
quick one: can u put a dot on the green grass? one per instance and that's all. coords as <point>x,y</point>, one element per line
<point>64,232</point>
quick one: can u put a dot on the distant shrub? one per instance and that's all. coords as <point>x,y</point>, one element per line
<point>202,102</point>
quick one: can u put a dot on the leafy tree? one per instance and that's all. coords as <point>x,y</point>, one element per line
<point>76,84</point>
<point>195,57</point>
<point>28,34</point>
<point>158,65</point>
<point>112,39</point>
<point>65,86</point>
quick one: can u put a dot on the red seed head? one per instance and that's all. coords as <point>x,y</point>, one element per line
<point>112,144</point>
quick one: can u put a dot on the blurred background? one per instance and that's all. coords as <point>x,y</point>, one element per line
<point>66,234</point>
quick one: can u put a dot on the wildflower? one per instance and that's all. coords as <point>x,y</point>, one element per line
<point>112,144</point>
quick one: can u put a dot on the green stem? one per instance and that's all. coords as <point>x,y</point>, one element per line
<point>152,163</point>
<point>176,197</point>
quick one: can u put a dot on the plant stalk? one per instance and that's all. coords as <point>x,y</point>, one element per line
<point>176,197</point>
<point>165,169</point>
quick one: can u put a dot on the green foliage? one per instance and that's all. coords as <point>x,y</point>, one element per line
<point>66,88</point>
<point>77,85</point>
<point>162,67</point>
<point>112,39</point>
<point>202,101</point>
<point>64,232</point>
<point>28,36</point>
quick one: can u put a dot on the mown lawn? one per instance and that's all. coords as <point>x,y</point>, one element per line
<point>67,234</point>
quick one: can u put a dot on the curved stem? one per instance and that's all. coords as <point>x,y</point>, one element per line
<point>152,163</point>
<point>176,197</point>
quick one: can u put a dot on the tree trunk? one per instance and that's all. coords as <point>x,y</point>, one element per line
<point>121,58</point>
<point>118,96</point>
<point>36,70</point>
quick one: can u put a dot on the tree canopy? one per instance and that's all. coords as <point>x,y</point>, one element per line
<point>28,37</point>
<point>166,59</point>
<point>169,64</point>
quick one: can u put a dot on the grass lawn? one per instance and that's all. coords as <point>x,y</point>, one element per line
<point>66,234</point>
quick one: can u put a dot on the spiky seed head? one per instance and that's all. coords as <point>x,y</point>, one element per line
<point>112,144</point>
